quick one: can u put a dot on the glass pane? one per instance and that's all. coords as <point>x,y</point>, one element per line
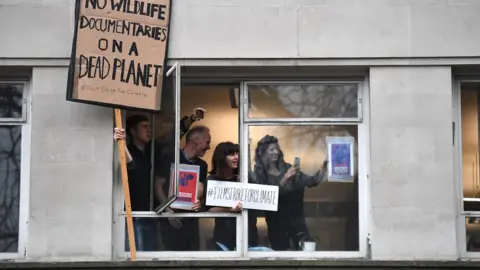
<point>469,100</point>
<point>184,234</point>
<point>11,100</point>
<point>147,183</point>
<point>314,212</point>
<point>303,101</point>
<point>10,163</point>
<point>472,230</point>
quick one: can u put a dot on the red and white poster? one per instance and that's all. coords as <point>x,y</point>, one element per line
<point>187,186</point>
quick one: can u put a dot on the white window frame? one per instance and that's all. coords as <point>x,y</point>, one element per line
<point>242,235</point>
<point>363,165</point>
<point>25,123</point>
<point>119,216</point>
<point>458,172</point>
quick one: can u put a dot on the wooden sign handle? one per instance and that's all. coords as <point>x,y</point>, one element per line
<point>126,189</point>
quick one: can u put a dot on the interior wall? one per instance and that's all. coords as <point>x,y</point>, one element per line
<point>470,157</point>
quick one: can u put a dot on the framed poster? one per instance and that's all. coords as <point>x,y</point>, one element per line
<point>187,183</point>
<point>119,53</point>
<point>340,156</point>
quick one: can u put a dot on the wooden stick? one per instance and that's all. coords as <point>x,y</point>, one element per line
<point>126,189</point>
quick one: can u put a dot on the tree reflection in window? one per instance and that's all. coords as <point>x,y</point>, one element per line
<point>10,154</point>
<point>309,100</point>
<point>11,96</point>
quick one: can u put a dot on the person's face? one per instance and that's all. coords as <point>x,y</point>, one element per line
<point>232,161</point>
<point>273,152</point>
<point>202,144</point>
<point>142,132</point>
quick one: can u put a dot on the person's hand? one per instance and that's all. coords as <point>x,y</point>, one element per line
<point>290,172</point>
<point>198,113</point>
<point>175,222</point>
<point>196,206</point>
<point>119,134</point>
<point>237,207</point>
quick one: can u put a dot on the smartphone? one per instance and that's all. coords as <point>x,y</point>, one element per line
<point>296,163</point>
<point>198,114</point>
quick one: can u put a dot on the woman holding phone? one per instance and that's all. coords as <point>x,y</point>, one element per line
<point>288,223</point>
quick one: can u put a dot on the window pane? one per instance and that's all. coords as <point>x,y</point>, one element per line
<point>303,101</point>
<point>10,151</point>
<point>11,100</point>
<point>150,140</point>
<point>310,207</point>
<point>470,145</point>
<point>472,230</point>
<point>184,234</point>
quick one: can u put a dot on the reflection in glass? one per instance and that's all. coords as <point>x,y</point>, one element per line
<point>10,151</point>
<point>310,209</point>
<point>11,97</point>
<point>163,238</point>
<point>303,100</point>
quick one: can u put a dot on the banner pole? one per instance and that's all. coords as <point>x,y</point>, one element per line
<point>126,189</point>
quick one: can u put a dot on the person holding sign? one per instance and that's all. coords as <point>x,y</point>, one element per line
<point>138,153</point>
<point>288,223</point>
<point>225,161</point>
<point>182,234</point>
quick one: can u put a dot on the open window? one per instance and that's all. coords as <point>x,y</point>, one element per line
<point>301,115</point>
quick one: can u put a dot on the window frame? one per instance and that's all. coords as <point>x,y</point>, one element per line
<point>363,166</point>
<point>25,159</point>
<point>23,118</point>
<point>119,216</point>
<point>242,233</point>
<point>461,214</point>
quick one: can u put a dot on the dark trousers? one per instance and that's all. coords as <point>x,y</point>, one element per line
<point>284,233</point>
<point>185,238</point>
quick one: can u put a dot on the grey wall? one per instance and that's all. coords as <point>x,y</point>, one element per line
<point>412,181</point>
<point>413,215</point>
<point>271,28</point>
<point>71,174</point>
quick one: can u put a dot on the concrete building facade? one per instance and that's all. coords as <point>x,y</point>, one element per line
<point>412,60</point>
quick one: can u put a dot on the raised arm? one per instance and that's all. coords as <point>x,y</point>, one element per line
<point>311,181</point>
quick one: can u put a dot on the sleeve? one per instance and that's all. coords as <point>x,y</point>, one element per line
<point>131,165</point>
<point>183,127</point>
<point>310,181</point>
<point>288,185</point>
<point>203,171</point>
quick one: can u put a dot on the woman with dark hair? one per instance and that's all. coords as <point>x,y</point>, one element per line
<point>225,165</point>
<point>287,226</point>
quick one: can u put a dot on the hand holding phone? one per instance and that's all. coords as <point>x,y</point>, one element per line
<point>199,113</point>
<point>296,163</point>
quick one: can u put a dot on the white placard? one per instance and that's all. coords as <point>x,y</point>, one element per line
<point>252,196</point>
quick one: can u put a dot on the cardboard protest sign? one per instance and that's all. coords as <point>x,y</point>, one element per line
<point>187,184</point>
<point>119,53</point>
<point>252,196</point>
<point>340,156</point>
